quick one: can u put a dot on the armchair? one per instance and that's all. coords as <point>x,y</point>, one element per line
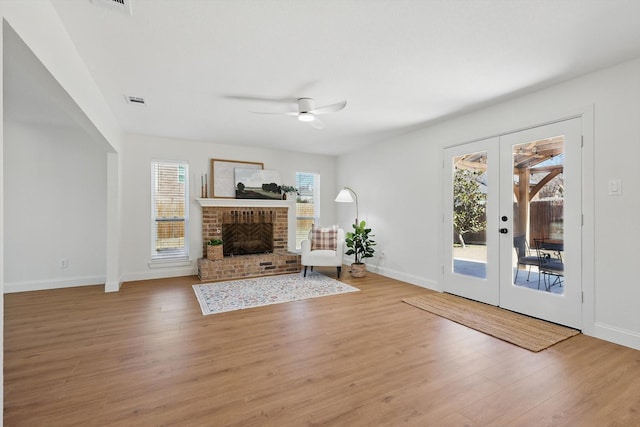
<point>321,255</point>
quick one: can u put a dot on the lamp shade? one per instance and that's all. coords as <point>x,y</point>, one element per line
<point>344,196</point>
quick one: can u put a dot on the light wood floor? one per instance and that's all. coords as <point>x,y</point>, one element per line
<point>146,356</point>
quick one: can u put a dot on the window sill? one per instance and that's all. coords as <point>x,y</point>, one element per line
<point>167,263</point>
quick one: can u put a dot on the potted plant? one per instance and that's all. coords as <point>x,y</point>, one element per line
<point>215,249</point>
<point>286,189</point>
<point>360,245</point>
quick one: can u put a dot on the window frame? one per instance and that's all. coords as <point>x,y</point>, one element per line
<point>182,178</point>
<point>316,201</point>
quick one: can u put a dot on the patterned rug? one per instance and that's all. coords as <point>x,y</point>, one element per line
<point>524,331</point>
<point>246,293</point>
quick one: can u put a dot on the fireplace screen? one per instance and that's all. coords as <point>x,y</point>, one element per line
<point>243,239</point>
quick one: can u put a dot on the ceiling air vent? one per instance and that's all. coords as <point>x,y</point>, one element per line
<point>136,100</point>
<point>122,6</point>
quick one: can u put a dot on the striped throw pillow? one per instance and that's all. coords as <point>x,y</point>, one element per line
<point>324,238</point>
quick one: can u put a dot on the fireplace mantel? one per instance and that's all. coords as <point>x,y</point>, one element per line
<point>245,203</point>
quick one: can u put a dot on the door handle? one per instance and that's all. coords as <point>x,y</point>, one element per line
<point>504,231</point>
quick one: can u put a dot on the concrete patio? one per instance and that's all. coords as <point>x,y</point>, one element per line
<point>471,261</point>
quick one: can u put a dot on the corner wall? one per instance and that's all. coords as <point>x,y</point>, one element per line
<point>55,202</point>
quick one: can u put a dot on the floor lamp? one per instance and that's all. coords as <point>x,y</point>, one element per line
<point>345,196</point>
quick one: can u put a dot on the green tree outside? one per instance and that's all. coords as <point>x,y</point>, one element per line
<point>469,204</point>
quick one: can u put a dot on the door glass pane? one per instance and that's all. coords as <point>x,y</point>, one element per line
<point>538,213</point>
<point>470,214</point>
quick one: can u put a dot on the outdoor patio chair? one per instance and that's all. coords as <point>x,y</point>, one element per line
<point>549,267</point>
<point>524,256</point>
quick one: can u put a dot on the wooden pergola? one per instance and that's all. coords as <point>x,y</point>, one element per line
<point>525,158</point>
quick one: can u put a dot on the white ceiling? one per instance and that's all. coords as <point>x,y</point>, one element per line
<point>203,66</point>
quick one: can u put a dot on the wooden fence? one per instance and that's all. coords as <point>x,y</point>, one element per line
<point>545,222</point>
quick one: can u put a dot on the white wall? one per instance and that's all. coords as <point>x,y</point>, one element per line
<point>404,204</point>
<point>55,207</point>
<point>140,150</point>
<point>395,182</point>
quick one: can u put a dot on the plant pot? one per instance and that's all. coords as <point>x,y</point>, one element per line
<point>358,270</point>
<point>215,252</point>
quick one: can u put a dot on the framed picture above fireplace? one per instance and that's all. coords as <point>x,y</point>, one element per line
<point>257,184</point>
<point>222,176</point>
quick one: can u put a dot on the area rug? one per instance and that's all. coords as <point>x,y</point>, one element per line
<point>246,293</point>
<point>524,331</point>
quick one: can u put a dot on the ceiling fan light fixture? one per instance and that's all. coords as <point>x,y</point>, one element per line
<point>307,112</point>
<point>306,117</point>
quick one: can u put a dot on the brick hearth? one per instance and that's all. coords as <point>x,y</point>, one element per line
<point>281,261</point>
<point>240,266</point>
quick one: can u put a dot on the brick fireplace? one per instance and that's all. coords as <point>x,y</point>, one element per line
<point>219,214</point>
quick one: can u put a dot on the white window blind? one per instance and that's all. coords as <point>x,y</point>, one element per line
<point>307,204</point>
<point>170,213</point>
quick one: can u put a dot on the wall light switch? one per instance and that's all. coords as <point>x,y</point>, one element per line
<point>615,187</point>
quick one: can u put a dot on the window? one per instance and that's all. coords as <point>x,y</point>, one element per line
<point>307,204</point>
<point>170,213</point>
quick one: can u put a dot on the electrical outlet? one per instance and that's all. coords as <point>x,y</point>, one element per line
<point>64,263</point>
<point>381,255</point>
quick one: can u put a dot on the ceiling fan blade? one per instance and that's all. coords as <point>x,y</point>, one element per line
<point>285,113</point>
<point>317,124</point>
<point>329,108</point>
<point>254,98</point>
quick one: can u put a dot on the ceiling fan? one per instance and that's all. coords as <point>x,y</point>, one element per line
<point>307,111</point>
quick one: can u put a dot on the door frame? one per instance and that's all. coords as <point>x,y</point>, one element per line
<point>542,117</point>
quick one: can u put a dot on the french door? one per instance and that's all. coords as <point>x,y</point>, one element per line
<point>471,183</point>
<point>513,221</point>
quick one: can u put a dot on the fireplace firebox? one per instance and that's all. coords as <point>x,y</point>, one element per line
<point>252,222</point>
<point>244,239</point>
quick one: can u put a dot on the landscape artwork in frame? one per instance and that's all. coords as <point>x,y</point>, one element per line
<point>223,179</point>
<point>257,184</point>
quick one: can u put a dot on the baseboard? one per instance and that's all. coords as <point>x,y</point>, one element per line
<point>616,335</point>
<point>112,286</point>
<point>160,273</point>
<point>404,277</point>
<point>41,285</point>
